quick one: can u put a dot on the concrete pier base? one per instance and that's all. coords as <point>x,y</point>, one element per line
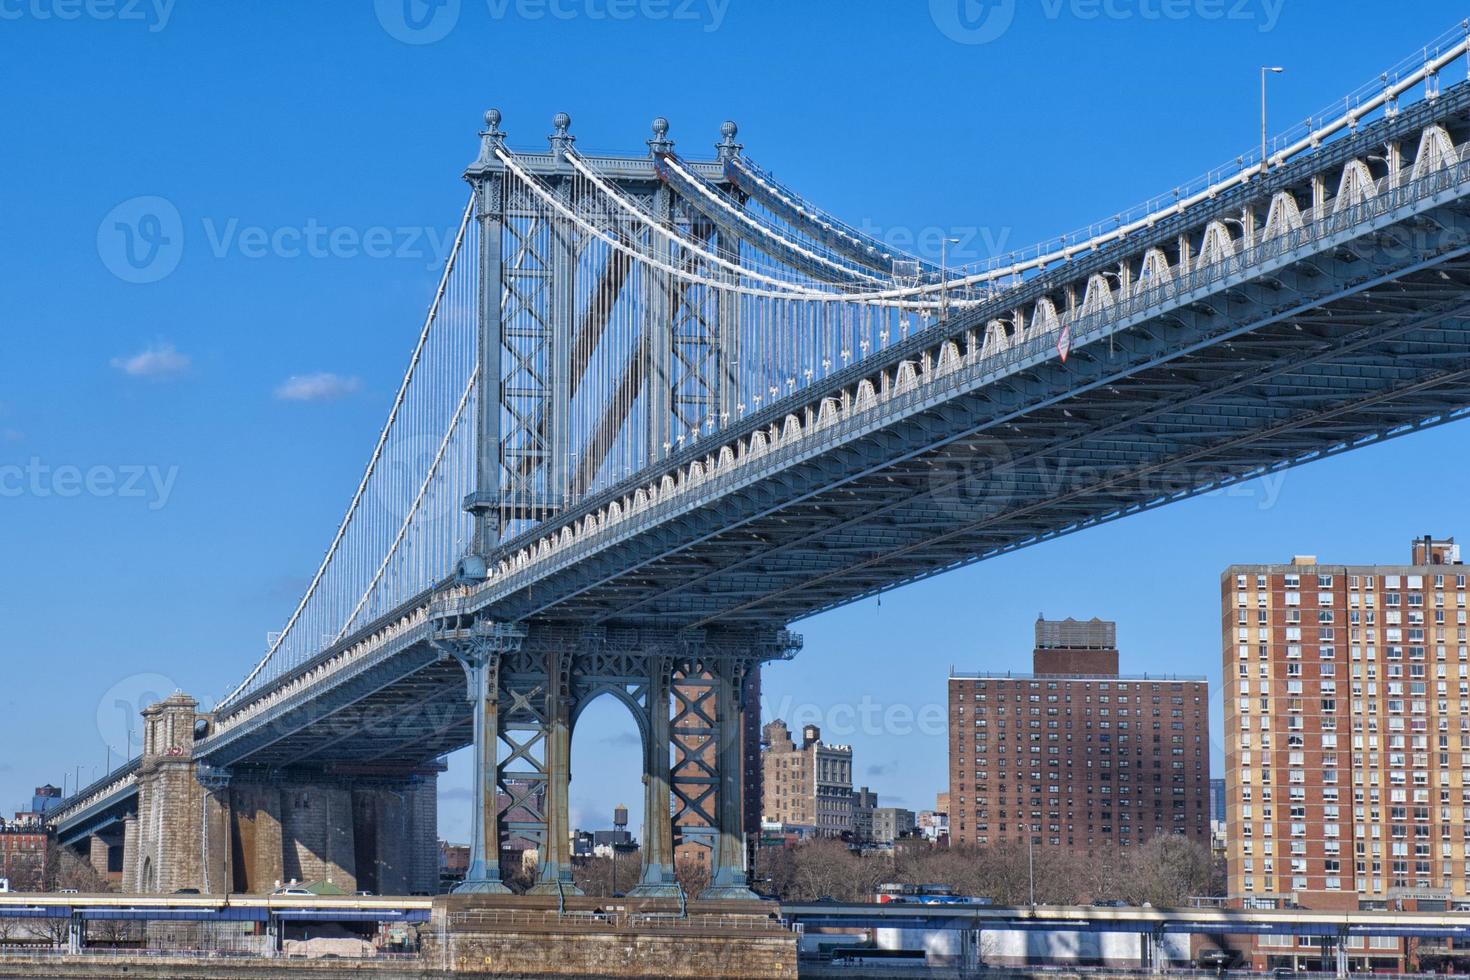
<point>525,936</point>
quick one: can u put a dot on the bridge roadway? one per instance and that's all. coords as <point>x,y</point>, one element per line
<point>1301,922</point>
<point>216,908</point>
<point>1261,327</point>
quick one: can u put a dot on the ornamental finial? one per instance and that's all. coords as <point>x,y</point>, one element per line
<point>727,148</point>
<point>660,142</point>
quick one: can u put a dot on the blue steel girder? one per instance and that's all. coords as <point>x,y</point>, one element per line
<point>1312,307</point>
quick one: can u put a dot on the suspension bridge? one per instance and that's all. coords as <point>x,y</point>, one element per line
<point>661,407</point>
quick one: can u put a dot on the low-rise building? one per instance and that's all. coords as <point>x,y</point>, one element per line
<point>864,802</point>
<point>890,823</point>
<point>24,848</point>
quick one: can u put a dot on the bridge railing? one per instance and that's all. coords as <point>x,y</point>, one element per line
<point>1417,71</point>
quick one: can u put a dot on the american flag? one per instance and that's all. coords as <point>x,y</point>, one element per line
<point>1064,341</point>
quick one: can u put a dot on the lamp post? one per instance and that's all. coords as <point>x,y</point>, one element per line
<point>944,244</point>
<point>1031,866</point>
<point>1275,70</point>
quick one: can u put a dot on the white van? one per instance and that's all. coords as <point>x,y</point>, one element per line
<point>4,886</point>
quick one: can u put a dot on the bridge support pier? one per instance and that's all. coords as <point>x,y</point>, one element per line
<point>130,852</point>
<point>1158,954</point>
<point>728,878</point>
<point>686,691</point>
<point>98,854</point>
<point>555,877</point>
<point>481,660</point>
<point>658,879</point>
<point>174,845</point>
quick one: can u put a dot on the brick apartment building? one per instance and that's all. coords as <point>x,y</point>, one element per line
<point>807,786</point>
<point>1347,728</point>
<point>1076,754</point>
<point>24,846</point>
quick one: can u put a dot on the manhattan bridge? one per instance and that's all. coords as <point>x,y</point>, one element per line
<point>662,406</point>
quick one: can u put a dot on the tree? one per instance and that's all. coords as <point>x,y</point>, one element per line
<point>1167,871</point>
<point>55,930</point>
<point>595,875</point>
<point>693,875</point>
<point>66,869</point>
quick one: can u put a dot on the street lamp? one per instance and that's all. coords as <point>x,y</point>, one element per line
<point>1275,71</point>
<point>944,244</point>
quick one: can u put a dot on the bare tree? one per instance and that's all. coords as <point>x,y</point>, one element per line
<point>55,930</point>
<point>67,869</point>
<point>693,875</point>
<point>1167,871</point>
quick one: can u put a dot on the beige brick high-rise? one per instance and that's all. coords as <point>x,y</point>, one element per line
<point>1347,729</point>
<point>807,785</point>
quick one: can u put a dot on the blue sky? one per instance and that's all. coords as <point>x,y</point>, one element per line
<point>216,420</point>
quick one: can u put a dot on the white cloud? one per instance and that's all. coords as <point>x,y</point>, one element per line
<point>320,387</point>
<point>157,362</point>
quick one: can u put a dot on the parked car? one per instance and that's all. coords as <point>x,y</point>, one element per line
<point>186,891</point>
<point>294,891</point>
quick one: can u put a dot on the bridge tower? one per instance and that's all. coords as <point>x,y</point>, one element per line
<point>543,316</point>
<point>179,818</point>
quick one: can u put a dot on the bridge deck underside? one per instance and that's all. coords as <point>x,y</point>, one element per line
<point>409,710</point>
<point>1346,346</point>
